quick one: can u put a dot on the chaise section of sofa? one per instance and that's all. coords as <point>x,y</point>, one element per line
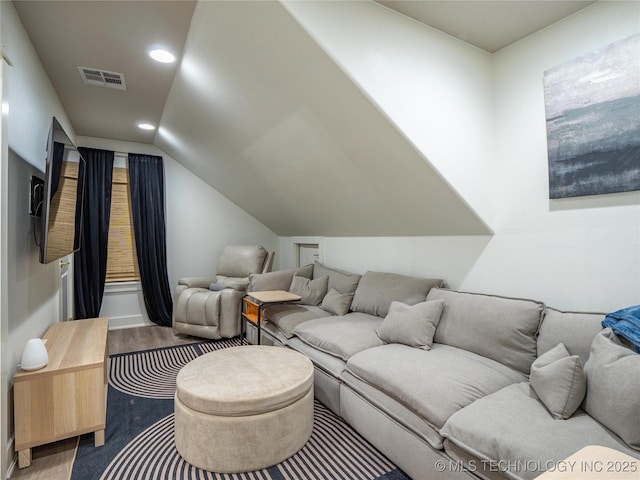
<point>513,434</point>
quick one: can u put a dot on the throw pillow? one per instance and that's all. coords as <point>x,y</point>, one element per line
<point>413,325</point>
<point>337,303</point>
<point>215,287</point>
<point>613,387</point>
<point>311,291</point>
<point>558,380</point>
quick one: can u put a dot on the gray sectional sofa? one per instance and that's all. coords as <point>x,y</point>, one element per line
<point>457,385</point>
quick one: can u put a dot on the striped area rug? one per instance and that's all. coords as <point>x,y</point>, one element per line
<point>139,435</point>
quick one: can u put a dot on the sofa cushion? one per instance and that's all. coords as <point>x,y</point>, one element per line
<point>434,383</point>
<point>241,260</point>
<point>279,280</point>
<point>573,329</point>
<point>500,328</point>
<point>512,428</point>
<point>405,416</point>
<point>287,316</point>
<point>377,290</point>
<point>559,380</point>
<point>613,386</point>
<point>311,291</point>
<point>341,281</point>
<point>336,302</point>
<point>342,336</point>
<point>412,325</point>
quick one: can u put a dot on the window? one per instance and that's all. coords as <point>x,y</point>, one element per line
<point>122,262</point>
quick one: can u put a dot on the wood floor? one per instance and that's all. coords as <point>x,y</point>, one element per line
<point>54,461</point>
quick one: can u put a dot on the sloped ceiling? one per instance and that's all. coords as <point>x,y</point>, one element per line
<point>262,114</point>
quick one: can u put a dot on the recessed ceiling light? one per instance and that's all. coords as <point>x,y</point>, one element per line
<point>162,56</point>
<point>146,126</point>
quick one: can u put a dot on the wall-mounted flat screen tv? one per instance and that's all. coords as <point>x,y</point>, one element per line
<point>61,218</point>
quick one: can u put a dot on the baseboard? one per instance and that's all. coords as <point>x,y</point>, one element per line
<point>12,454</point>
<point>12,466</point>
<point>130,321</point>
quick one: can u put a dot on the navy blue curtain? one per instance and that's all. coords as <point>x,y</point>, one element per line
<point>90,262</point>
<point>146,181</point>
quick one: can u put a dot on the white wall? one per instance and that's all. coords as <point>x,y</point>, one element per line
<point>574,254</point>
<point>31,288</point>
<point>200,222</point>
<point>436,89</point>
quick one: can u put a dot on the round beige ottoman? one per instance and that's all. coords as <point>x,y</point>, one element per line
<point>243,408</point>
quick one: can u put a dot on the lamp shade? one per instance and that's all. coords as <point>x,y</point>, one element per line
<point>35,355</point>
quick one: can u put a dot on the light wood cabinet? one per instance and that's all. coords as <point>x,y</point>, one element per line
<point>68,397</point>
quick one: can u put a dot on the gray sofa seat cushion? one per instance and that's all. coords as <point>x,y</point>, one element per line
<point>342,336</point>
<point>575,330</point>
<point>403,415</point>
<point>339,280</point>
<point>500,328</point>
<point>329,363</point>
<point>377,290</point>
<point>513,427</point>
<point>287,316</point>
<point>434,383</point>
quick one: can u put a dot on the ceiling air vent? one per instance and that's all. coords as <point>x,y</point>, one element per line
<point>102,78</point>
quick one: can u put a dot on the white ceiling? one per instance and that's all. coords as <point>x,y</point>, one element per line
<point>489,25</point>
<point>253,100</point>
<point>115,36</point>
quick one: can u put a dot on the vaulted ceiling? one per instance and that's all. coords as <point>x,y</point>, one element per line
<point>259,110</point>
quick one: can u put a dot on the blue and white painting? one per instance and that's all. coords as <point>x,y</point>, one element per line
<point>593,122</point>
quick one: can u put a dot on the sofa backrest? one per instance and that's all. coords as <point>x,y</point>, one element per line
<point>340,280</point>
<point>377,290</point>
<point>278,280</point>
<point>503,329</point>
<point>574,329</point>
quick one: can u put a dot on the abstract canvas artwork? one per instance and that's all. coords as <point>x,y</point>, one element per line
<point>592,108</point>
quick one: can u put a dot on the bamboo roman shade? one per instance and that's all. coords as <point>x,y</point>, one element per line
<point>62,213</point>
<point>122,262</point>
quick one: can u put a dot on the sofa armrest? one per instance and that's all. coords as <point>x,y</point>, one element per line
<point>197,282</point>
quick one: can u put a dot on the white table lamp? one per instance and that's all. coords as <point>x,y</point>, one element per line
<point>34,356</point>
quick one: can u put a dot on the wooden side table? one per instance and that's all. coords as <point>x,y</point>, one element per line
<point>255,302</point>
<point>595,462</point>
<point>68,397</point>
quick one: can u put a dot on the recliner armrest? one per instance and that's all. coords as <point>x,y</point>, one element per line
<point>197,282</point>
<point>235,283</point>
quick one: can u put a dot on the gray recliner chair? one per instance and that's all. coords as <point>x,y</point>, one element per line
<point>210,307</point>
